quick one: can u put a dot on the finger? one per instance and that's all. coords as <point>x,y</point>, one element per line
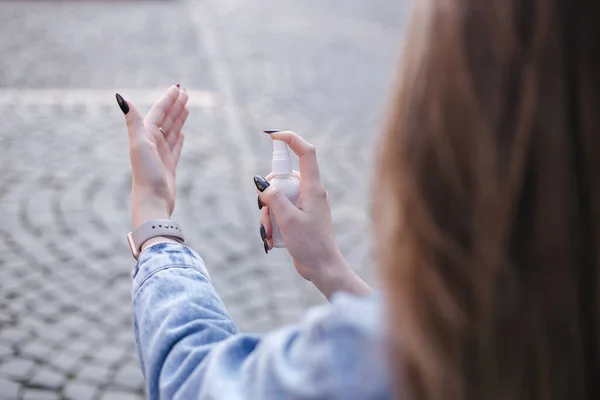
<point>309,168</point>
<point>295,174</point>
<point>174,113</point>
<point>159,110</point>
<point>265,221</point>
<point>282,207</point>
<point>176,128</point>
<point>267,245</point>
<point>133,118</point>
<point>178,146</point>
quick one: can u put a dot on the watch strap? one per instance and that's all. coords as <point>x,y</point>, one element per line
<point>152,229</point>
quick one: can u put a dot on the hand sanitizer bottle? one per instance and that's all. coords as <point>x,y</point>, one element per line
<point>284,181</point>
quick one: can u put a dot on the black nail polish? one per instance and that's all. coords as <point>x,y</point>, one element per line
<point>260,206</point>
<point>269,131</point>
<point>266,247</point>
<point>263,233</point>
<point>261,183</point>
<point>122,103</point>
<point>178,85</point>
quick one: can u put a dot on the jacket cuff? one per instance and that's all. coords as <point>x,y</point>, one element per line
<point>165,255</point>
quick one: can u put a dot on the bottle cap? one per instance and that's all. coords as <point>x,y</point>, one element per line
<point>282,162</point>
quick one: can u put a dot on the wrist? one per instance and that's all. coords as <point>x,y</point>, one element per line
<point>335,275</point>
<point>341,280</point>
<point>147,209</point>
<point>332,269</point>
<point>152,232</point>
<point>156,240</point>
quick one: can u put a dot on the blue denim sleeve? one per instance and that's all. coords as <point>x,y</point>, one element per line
<point>190,348</point>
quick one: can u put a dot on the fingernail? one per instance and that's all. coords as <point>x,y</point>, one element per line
<point>122,103</point>
<point>263,233</point>
<point>178,85</point>
<point>266,247</point>
<point>261,183</point>
<point>260,206</point>
<point>269,131</point>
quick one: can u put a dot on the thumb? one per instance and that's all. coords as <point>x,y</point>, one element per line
<point>277,201</point>
<point>133,118</point>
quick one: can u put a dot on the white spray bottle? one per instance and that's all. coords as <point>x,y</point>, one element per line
<point>284,181</point>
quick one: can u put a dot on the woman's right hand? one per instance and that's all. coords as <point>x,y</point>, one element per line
<point>307,228</point>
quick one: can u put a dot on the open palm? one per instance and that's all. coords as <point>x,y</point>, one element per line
<point>154,155</point>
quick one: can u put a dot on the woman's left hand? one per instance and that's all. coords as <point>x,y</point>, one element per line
<point>155,144</point>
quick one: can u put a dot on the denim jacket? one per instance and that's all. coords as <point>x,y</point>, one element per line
<point>190,348</point>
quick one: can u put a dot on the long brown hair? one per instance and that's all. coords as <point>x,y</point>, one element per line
<point>487,213</point>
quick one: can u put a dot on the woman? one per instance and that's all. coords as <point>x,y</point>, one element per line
<point>486,215</point>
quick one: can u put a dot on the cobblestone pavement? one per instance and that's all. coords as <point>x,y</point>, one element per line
<point>322,68</point>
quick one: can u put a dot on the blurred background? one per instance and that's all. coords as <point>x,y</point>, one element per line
<point>323,68</point>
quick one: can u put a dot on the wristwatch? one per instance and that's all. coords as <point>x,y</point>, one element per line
<point>152,229</point>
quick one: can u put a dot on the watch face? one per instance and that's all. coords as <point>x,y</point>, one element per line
<point>132,246</point>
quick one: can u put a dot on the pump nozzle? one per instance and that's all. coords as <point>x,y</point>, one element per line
<point>282,162</point>
<point>280,149</point>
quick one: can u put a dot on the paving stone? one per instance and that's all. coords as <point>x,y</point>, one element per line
<point>65,362</point>
<point>94,373</point>
<point>17,368</point>
<point>8,389</point>
<point>17,307</point>
<point>47,378</point>
<point>113,395</point>
<point>125,337</point>
<point>93,335</point>
<point>130,376</point>
<point>39,394</point>
<point>74,321</point>
<point>48,307</point>
<point>36,350</point>
<point>35,323</point>
<point>80,391</point>
<point>110,354</point>
<point>6,318</point>
<point>5,351</point>
<point>54,333</point>
<point>79,346</point>
<point>15,335</point>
